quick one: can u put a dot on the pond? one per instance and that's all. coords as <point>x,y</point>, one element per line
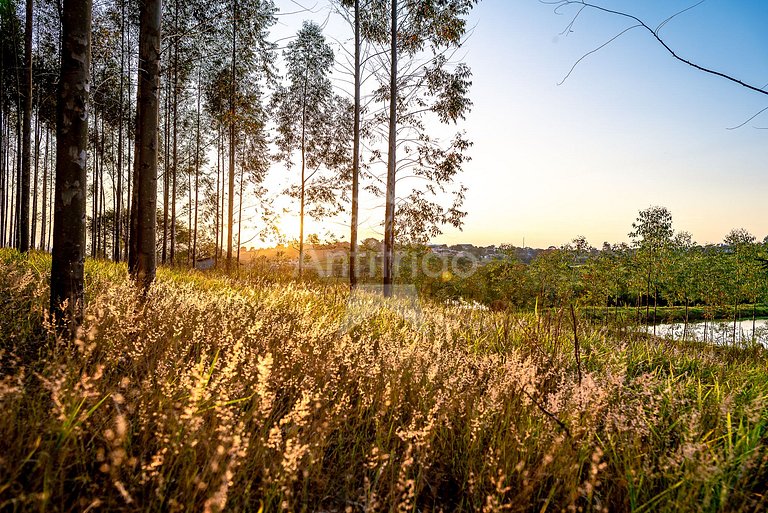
<point>719,332</point>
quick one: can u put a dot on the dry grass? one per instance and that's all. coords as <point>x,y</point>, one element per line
<point>245,395</point>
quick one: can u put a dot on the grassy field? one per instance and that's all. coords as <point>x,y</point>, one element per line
<point>223,394</point>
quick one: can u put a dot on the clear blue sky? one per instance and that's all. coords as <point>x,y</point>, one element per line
<point>631,127</point>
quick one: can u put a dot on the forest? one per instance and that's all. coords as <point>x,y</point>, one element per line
<point>146,365</point>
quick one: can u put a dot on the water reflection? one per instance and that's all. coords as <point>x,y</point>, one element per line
<point>718,332</point>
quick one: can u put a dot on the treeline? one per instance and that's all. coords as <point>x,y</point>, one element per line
<point>660,267</point>
<point>186,107</point>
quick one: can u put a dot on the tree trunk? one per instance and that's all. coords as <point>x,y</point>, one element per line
<point>754,320</point>
<point>71,156</point>
<point>17,180</point>
<point>3,140</point>
<point>655,307</point>
<point>389,216</point>
<point>166,173</point>
<point>223,196</point>
<point>117,253</point>
<point>197,170</point>
<point>95,180</point>
<point>142,256</point>
<point>26,152</point>
<point>102,225</point>
<point>33,231</point>
<point>303,176</point>
<point>218,192</point>
<point>648,299</point>
<point>189,216</point>
<point>44,213</point>
<point>240,218</point>
<point>355,158</point>
<point>175,133</point>
<point>231,204</point>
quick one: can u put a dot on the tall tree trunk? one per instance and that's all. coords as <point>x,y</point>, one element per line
<point>102,225</point>
<point>142,255</point>
<point>216,217</point>
<point>175,132</point>
<point>95,179</point>
<point>52,192</point>
<point>71,156</point>
<point>17,173</point>
<point>166,160</point>
<point>3,141</point>
<point>223,196</point>
<point>26,152</point>
<point>232,141</point>
<point>44,214</point>
<point>240,217</point>
<point>33,231</point>
<point>197,170</point>
<point>355,158</point>
<point>189,214</point>
<point>117,249</point>
<point>303,176</point>
<point>389,217</point>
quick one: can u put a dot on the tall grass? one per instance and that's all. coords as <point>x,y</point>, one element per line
<point>249,394</point>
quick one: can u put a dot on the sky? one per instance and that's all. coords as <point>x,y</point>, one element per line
<point>629,128</point>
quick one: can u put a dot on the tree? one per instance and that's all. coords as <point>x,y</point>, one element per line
<point>652,233</point>
<point>357,83</point>
<point>682,276</point>
<point>68,255</point>
<point>22,232</point>
<point>305,119</point>
<point>241,65</point>
<point>142,252</point>
<point>419,80</point>
<point>12,47</point>
<point>742,275</point>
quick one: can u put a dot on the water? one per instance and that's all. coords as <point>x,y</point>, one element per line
<point>719,332</point>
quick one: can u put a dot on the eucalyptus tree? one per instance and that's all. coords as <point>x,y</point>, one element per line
<point>240,69</point>
<point>68,254</point>
<point>22,232</point>
<point>355,207</point>
<point>420,84</point>
<point>45,76</point>
<point>107,71</point>
<point>350,10</point>
<point>304,115</point>
<point>142,252</point>
<point>11,58</point>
